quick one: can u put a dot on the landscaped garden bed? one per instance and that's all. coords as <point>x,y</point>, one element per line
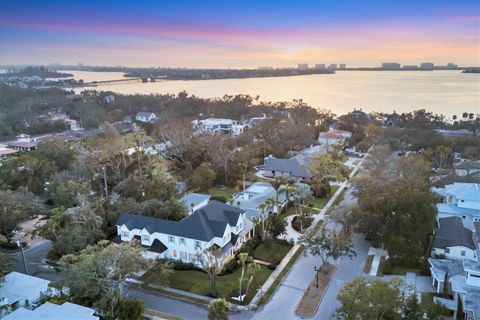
<point>298,226</point>
<point>368,263</point>
<point>312,298</point>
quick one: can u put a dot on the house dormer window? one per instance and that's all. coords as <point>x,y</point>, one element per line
<point>183,241</point>
<point>146,238</point>
<point>171,239</point>
<point>197,245</point>
<point>125,234</point>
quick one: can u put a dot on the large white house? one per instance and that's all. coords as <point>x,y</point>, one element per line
<point>214,224</point>
<point>461,200</point>
<point>219,125</point>
<point>453,241</point>
<point>295,168</point>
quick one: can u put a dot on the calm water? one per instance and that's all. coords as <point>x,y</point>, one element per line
<point>444,92</point>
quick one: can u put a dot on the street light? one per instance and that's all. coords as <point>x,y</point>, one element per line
<point>23,256</point>
<point>316,274</point>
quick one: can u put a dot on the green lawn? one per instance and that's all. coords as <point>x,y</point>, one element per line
<point>321,202</point>
<point>198,282</point>
<point>226,192</point>
<point>272,251</point>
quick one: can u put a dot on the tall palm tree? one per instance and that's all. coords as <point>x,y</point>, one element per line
<point>277,184</point>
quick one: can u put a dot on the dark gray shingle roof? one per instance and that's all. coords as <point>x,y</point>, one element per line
<point>291,166</point>
<point>204,224</point>
<point>452,233</point>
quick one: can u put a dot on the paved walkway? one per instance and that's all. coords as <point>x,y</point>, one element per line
<point>377,253</point>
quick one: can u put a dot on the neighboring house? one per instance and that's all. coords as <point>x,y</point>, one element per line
<point>194,201</point>
<point>143,116</point>
<point>464,283</point>
<point>454,133</point>
<point>22,137</point>
<point>51,311</point>
<point>218,125</point>
<point>467,167</point>
<point>462,200</point>
<point>333,137</point>
<point>255,121</point>
<point>21,290</point>
<point>6,151</point>
<point>23,146</point>
<point>454,241</point>
<point>254,196</point>
<point>216,224</point>
<point>441,182</point>
<point>109,99</point>
<point>295,168</point>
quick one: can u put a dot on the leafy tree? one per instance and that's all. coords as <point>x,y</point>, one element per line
<point>218,310</point>
<point>276,225</point>
<point>61,153</point>
<point>411,308</point>
<point>212,262</point>
<point>34,172</point>
<point>301,196</point>
<point>342,215</point>
<point>97,275</point>
<point>203,177</point>
<point>159,273</point>
<point>327,245</point>
<point>130,309</point>
<point>460,315</point>
<point>5,265</point>
<point>370,299</point>
<point>440,155</point>
<point>14,208</point>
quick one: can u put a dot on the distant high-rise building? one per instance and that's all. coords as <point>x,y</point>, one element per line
<point>391,66</point>
<point>333,66</point>
<point>302,66</point>
<point>320,66</point>
<point>342,66</point>
<point>426,66</point>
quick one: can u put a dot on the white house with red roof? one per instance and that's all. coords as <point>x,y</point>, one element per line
<point>333,137</point>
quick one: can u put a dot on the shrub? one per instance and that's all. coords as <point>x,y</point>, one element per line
<point>181,266</point>
<point>250,246</point>
<point>221,199</point>
<point>230,266</point>
<point>9,245</point>
<point>272,266</point>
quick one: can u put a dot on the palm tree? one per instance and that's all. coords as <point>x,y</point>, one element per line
<point>244,166</point>
<point>218,310</point>
<point>289,188</point>
<point>277,184</point>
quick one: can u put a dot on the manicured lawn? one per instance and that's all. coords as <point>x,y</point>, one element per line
<point>198,282</point>
<point>222,192</point>
<point>272,251</point>
<point>321,202</point>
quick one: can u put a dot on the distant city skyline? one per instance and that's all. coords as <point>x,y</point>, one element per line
<point>214,34</point>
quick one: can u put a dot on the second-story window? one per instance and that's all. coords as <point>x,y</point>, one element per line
<point>197,245</point>
<point>183,241</point>
<point>171,239</point>
<point>125,234</point>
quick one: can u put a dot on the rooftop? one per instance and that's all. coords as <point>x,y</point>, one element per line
<point>51,311</point>
<point>192,199</point>
<point>293,166</point>
<point>16,286</point>
<point>452,233</point>
<point>466,165</point>
<point>204,224</point>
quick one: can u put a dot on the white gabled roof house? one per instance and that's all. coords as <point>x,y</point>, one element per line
<point>214,224</point>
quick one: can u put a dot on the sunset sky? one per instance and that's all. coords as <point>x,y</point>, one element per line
<point>239,34</point>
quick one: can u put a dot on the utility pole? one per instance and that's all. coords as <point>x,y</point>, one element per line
<point>23,256</point>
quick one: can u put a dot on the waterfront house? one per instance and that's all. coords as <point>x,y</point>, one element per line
<point>333,137</point>
<point>216,224</point>
<point>218,125</point>
<point>51,311</point>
